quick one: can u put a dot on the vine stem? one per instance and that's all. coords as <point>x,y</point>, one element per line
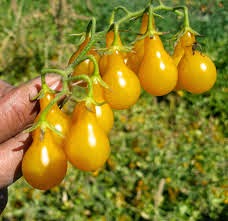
<point>186,15</point>
<point>130,15</point>
<point>53,70</point>
<point>85,78</point>
<point>187,26</point>
<point>151,22</point>
<point>186,18</point>
<point>167,8</point>
<point>96,66</point>
<point>81,56</point>
<point>42,123</point>
<point>160,2</point>
<point>49,106</point>
<point>116,33</point>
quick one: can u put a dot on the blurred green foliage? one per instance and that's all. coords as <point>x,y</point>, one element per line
<point>169,154</point>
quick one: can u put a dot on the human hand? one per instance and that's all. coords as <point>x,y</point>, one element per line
<point>17,112</point>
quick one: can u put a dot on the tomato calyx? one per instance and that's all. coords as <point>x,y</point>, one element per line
<point>43,124</point>
<point>48,100</point>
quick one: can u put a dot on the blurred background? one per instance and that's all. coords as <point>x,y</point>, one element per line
<point>169,154</point>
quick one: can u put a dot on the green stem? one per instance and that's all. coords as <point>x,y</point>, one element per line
<point>112,18</point>
<point>187,26</point>
<point>122,8</point>
<point>52,70</point>
<point>85,78</point>
<point>167,8</point>
<point>151,22</point>
<point>160,2</point>
<point>116,35</point>
<point>93,27</point>
<point>81,56</point>
<point>96,72</point>
<point>65,85</point>
<point>186,16</point>
<point>130,15</point>
<point>45,88</point>
<point>93,39</point>
<point>47,109</point>
<point>127,17</point>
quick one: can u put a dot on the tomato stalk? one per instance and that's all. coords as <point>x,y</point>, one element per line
<point>151,23</point>
<point>164,7</point>
<point>62,73</point>
<point>129,16</point>
<point>94,37</point>
<point>116,33</point>
<point>89,100</point>
<point>112,18</point>
<point>53,70</point>
<point>96,71</point>
<point>96,77</point>
<point>187,26</point>
<point>160,2</point>
<point>44,88</point>
<point>82,77</point>
<point>42,123</point>
<point>91,28</point>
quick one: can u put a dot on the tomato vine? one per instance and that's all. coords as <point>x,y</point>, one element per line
<point>120,72</point>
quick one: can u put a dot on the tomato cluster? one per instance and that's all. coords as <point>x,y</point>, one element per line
<point>114,80</point>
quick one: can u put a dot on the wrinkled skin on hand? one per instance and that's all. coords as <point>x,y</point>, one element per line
<point>17,112</point>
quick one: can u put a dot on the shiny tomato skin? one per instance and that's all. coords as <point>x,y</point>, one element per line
<point>55,117</point>
<point>197,73</point>
<point>87,145</point>
<point>124,86</point>
<point>134,58</point>
<point>104,61</point>
<point>185,41</point>
<point>44,165</point>
<point>87,66</point>
<point>104,113</point>
<point>157,72</point>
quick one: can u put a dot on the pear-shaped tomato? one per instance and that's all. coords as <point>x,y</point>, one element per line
<point>103,62</point>
<point>104,113</point>
<point>110,38</point>
<point>157,72</point>
<point>44,164</point>
<point>87,145</point>
<point>124,86</point>
<point>197,73</point>
<point>186,40</point>
<point>144,23</point>
<point>87,66</point>
<point>134,58</point>
<point>55,117</point>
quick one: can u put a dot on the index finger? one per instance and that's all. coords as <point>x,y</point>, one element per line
<point>17,110</point>
<point>4,88</point>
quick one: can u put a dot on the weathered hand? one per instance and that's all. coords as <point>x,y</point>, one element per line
<point>17,112</point>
